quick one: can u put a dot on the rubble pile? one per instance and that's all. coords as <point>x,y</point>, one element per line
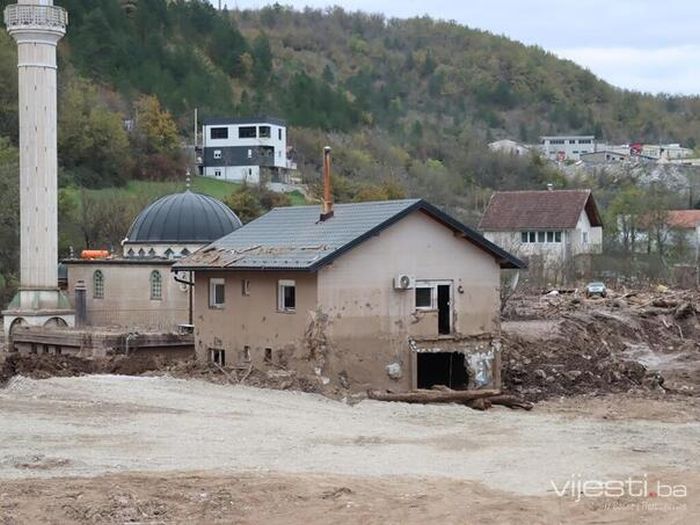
<point>619,343</point>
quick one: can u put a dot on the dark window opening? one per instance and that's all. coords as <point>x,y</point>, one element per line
<point>279,134</point>
<point>442,368</point>
<point>217,356</point>
<point>268,355</point>
<point>247,132</point>
<point>424,297</point>
<point>444,309</point>
<point>264,132</point>
<point>219,133</point>
<point>289,297</point>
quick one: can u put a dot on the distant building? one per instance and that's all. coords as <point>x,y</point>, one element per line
<point>555,226</point>
<point>510,147</point>
<point>602,157</point>
<point>663,151</point>
<point>243,149</point>
<point>567,147</point>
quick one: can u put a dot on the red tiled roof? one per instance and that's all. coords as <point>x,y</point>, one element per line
<point>519,210</point>
<point>683,218</point>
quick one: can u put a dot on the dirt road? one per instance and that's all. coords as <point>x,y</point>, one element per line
<point>262,455</point>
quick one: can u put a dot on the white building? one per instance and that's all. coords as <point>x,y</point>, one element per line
<point>553,226</point>
<point>567,147</point>
<point>510,147</point>
<point>241,149</point>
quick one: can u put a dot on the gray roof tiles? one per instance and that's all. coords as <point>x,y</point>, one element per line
<point>295,238</point>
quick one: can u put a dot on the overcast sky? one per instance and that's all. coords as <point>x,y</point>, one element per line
<point>647,45</point>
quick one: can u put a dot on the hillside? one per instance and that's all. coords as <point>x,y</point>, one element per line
<point>408,105</point>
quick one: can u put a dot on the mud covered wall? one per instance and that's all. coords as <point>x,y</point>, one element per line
<point>253,320</point>
<point>127,296</point>
<point>369,322</point>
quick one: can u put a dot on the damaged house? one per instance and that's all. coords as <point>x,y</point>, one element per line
<point>389,294</point>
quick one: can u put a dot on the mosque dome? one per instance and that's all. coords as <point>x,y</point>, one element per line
<point>183,218</point>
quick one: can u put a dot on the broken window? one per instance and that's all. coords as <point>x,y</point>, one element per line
<point>217,296</point>
<point>424,297</point>
<point>219,133</point>
<point>217,356</point>
<point>247,132</point>
<point>286,296</point>
<point>98,285</point>
<point>264,132</point>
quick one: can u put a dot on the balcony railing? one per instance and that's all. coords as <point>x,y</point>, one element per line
<point>40,16</point>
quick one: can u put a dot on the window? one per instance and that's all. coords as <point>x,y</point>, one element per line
<point>218,133</point>
<point>424,297</point>
<point>217,173</point>
<point>156,286</point>
<point>217,297</point>
<point>550,236</point>
<point>98,285</point>
<point>584,237</point>
<point>169,253</point>
<point>279,134</point>
<point>142,252</point>
<point>245,287</point>
<point>557,236</point>
<point>217,154</point>
<point>268,355</point>
<point>533,236</point>
<point>523,236</point>
<point>151,252</point>
<point>286,296</point>
<point>217,356</point>
<point>184,252</point>
<point>264,132</point>
<point>244,355</point>
<point>247,132</point>
<point>250,153</point>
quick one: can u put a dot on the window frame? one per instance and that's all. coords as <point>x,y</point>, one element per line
<point>213,283</point>
<point>433,296</point>
<point>217,154</point>
<point>265,131</point>
<point>156,285</point>
<point>282,284</point>
<point>247,133</point>
<point>98,288</point>
<point>218,130</point>
<point>218,356</point>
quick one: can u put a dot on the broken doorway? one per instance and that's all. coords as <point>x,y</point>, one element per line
<point>441,368</point>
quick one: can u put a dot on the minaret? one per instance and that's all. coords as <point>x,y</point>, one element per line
<point>37,26</point>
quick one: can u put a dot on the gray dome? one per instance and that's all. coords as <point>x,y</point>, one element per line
<point>183,218</point>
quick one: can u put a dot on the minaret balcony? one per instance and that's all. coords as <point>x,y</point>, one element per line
<point>24,16</point>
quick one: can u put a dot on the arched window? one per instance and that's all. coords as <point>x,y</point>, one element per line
<point>98,285</point>
<point>156,286</point>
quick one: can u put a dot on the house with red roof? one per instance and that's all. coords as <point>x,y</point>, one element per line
<point>553,225</point>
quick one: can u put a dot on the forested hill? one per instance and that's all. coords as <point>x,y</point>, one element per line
<point>411,100</point>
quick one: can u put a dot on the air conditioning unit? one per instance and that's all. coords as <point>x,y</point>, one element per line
<point>404,282</point>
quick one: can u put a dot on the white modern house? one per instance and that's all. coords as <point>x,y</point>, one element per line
<point>242,149</point>
<point>567,147</point>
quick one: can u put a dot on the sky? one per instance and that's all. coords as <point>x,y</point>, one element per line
<point>645,45</point>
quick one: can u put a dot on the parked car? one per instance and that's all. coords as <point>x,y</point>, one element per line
<point>596,288</point>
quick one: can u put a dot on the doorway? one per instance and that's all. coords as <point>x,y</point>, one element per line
<point>441,368</point>
<point>444,304</point>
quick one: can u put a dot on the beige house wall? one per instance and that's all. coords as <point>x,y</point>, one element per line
<point>127,299</point>
<point>350,321</point>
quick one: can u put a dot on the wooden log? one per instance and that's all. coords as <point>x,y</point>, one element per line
<point>510,401</point>
<point>432,396</point>
<point>482,403</point>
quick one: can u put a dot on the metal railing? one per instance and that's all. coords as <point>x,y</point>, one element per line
<point>23,15</point>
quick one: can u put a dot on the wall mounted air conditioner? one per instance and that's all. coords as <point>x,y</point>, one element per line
<point>404,282</point>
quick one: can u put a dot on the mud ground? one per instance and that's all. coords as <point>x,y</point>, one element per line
<point>121,449</point>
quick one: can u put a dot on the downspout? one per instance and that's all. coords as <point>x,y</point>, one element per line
<point>190,298</point>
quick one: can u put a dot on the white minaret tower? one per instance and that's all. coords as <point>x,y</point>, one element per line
<point>37,26</point>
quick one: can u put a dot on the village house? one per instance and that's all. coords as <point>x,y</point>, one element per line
<point>551,227</point>
<point>390,294</point>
